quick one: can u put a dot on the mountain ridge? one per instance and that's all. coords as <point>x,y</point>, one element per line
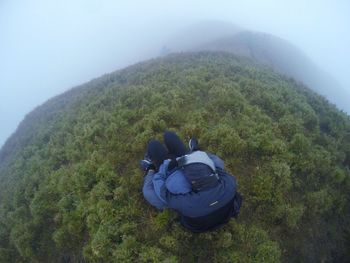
<point>71,189</point>
<point>271,50</point>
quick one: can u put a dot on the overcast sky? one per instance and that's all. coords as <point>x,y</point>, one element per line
<point>47,47</point>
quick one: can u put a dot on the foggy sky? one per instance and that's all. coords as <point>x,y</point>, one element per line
<point>47,47</point>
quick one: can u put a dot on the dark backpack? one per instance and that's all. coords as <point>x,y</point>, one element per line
<point>237,200</point>
<point>217,218</point>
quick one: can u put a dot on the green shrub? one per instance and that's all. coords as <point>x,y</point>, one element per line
<point>70,186</point>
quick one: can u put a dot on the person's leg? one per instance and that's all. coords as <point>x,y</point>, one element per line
<point>174,144</point>
<point>156,152</point>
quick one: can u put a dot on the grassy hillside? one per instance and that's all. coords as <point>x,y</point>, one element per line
<point>70,187</point>
<point>283,57</point>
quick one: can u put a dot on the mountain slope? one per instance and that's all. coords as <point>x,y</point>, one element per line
<point>284,58</point>
<point>70,183</point>
<point>271,50</point>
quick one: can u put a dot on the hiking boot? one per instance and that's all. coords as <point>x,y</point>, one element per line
<point>146,165</point>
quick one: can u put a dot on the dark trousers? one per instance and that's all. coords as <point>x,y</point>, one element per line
<point>157,152</point>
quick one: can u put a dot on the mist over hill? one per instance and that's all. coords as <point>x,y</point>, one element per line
<point>285,59</point>
<point>191,36</point>
<point>44,70</point>
<point>70,187</point>
<point>268,49</point>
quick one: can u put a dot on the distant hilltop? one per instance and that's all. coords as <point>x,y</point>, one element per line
<point>270,50</point>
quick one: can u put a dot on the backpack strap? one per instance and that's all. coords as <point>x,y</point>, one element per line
<point>196,157</point>
<point>199,170</point>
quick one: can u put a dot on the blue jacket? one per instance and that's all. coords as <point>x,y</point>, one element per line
<point>176,183</point>
<point>174,191</point>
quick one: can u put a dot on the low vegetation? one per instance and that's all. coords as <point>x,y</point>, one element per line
<point>70,186</point>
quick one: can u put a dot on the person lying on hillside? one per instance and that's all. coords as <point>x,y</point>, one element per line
<point>193,183</point>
